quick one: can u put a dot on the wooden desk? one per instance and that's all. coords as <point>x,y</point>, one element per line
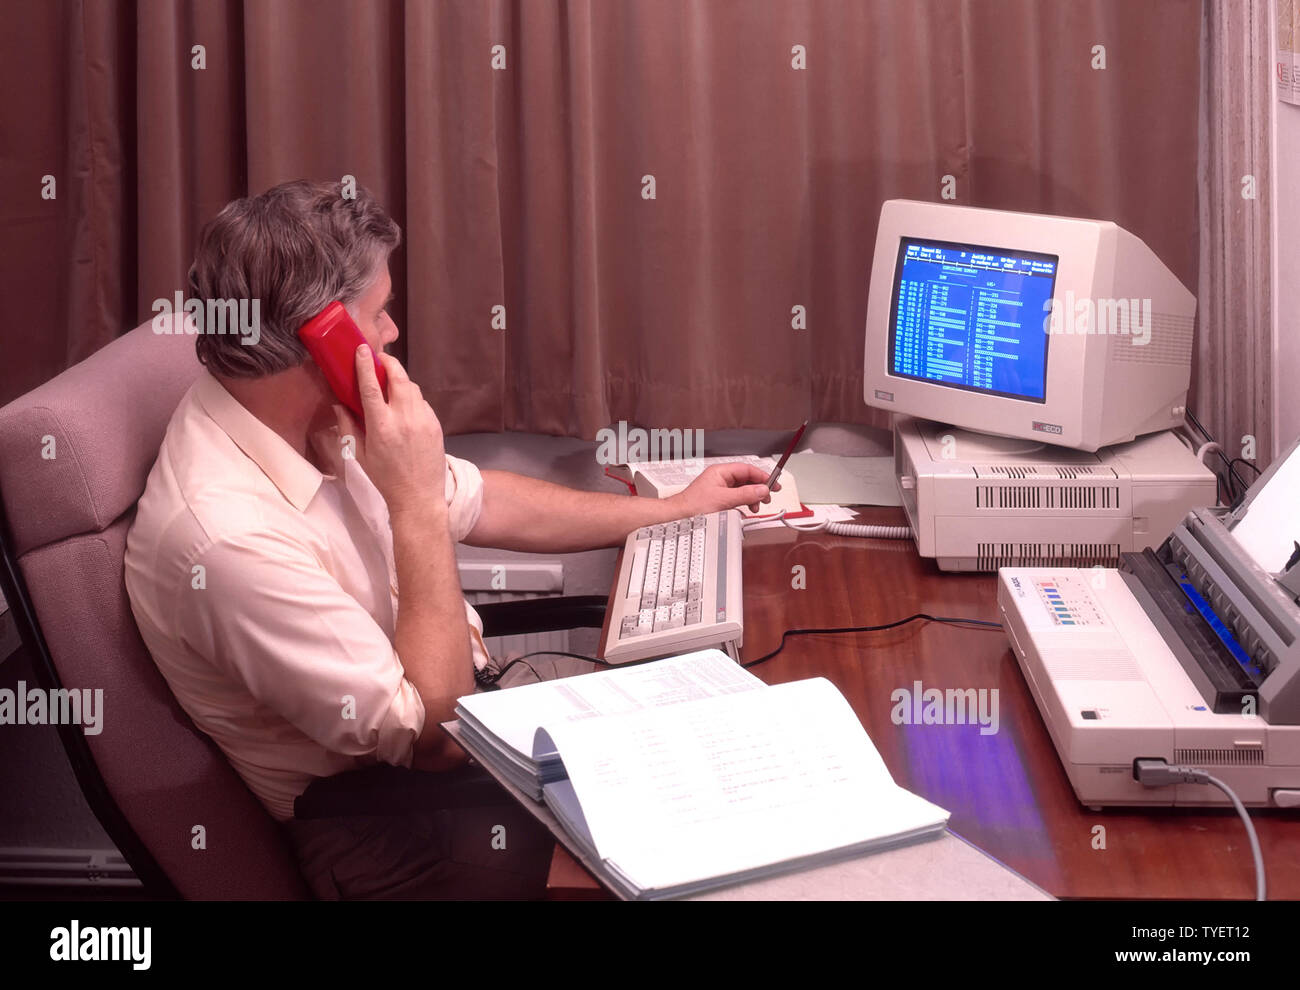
<point>1007,792</point>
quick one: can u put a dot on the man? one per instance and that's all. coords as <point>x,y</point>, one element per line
<point>294,577</point>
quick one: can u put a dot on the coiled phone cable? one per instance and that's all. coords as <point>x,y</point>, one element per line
<point>862,530</point>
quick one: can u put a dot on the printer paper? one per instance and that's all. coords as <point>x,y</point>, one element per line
<point>1271,526</point>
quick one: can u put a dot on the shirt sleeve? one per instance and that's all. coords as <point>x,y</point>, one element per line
<point>464,497</point>
<point>272,617</point>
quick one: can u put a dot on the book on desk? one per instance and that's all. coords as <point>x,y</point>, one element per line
<point>663,479</point>
<point>690,773</point>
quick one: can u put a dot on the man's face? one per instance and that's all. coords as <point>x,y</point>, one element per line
<point>371,314</point>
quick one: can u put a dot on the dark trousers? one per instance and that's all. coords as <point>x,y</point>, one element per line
<point>386,832</point>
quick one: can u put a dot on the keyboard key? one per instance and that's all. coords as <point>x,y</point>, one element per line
<point>636,580</point>
<point>646,621</point>
<point>677,616</point>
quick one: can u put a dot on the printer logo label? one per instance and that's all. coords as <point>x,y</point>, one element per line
<point>1052,428</point>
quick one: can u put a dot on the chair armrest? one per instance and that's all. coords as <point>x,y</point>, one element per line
<point>537,615</point>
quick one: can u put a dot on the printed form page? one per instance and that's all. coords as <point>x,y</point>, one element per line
<point>723,785</point>
<point>514,714</point>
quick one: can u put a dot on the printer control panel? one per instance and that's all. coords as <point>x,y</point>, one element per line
<point>1068,600</point>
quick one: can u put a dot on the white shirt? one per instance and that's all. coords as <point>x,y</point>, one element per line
<point>267,594</point>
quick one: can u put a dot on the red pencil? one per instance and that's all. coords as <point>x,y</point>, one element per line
<point>776,473</point>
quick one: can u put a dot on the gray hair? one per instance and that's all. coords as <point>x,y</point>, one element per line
<point>295,248</point>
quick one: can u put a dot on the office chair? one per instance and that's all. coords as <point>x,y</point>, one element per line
<point>74,457</point>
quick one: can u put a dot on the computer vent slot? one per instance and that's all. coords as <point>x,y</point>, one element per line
<point>1220,757</point>
<point>1170,341</point>
<point>1068,471</point>
<point>991,556</point>
<point>1047,497</point>
<point>1015,470</point>
<point>1086,666</point>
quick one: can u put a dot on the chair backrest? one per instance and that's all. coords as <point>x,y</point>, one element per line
<point>74,457</point>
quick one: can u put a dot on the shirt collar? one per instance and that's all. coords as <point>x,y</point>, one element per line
<point>296,478</point>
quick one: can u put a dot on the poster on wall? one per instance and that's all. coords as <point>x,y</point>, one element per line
<point>1288,51</point>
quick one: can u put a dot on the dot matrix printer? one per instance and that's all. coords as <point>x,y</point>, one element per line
<point>1188,654</point>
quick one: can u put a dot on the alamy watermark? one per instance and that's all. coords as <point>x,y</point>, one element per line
<point>636,445</point>
<point>1087,315</point>
<point>90,944</point>
<point>57,706</point>
<point>955,706</point>
<point>221,316</point>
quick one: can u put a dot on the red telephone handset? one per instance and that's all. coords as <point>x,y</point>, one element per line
<point>332,339</point>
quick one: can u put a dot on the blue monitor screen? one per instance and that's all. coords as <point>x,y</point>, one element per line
<point>972,317</point>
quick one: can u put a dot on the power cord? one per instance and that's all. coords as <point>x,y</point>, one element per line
<point>950,620</point>
<point>489,681</point>
<point>1158,773</point>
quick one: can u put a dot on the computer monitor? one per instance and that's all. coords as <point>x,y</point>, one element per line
<point>1049,328</point>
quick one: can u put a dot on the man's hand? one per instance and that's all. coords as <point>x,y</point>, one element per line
<point>401,447</point>
<point>725,486</point>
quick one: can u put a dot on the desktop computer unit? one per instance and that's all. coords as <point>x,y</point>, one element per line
<point>1046,360</point>
<point>976,502</point>
<point>1047,328</point>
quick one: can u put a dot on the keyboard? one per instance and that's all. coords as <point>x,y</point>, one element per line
<point>678,589</point>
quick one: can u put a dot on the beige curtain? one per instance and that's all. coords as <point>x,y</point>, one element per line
<point>649,188</point>
<point>1233,360</point>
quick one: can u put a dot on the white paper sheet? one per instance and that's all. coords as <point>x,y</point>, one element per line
<point>723,785</point>
<point>1271,525</point>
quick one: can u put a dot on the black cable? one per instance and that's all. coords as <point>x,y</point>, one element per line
<point>1245,487</point>
<point>949,620</point>
<point>852,629</point>
<point>1240,496</point>
<point>1232,471</point>
<point>561,653</point>
<point>494,683</point>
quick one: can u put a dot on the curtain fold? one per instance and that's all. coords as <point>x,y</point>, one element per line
<point>668,205</point>
<point>1232,362</point>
